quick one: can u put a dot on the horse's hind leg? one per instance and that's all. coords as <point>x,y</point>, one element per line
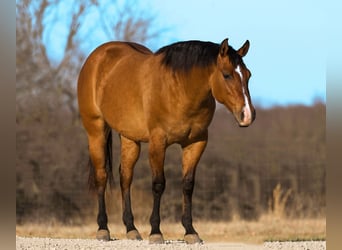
<point>191,155</point>
<point>130,151</point>
<point>98,136</point>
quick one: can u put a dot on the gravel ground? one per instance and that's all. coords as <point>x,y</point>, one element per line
<point>294,245</point>
<point>85,244</point>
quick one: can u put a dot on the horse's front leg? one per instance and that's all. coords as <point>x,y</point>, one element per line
<point>157,149</point>
<point>191,154</point>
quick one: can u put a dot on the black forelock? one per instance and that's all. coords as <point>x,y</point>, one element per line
<point>234,57</point>
<point>183,56</point>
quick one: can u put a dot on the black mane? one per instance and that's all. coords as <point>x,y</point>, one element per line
<point>182,56</point>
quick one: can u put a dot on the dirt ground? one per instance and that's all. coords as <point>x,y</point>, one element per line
<point>248,232</point>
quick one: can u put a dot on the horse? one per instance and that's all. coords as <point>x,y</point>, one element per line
<point>160,98</point>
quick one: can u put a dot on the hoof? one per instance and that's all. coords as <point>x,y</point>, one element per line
<point>156,239</point>
<point>103,234</point>
<point>192,239</point>
<point>133,235</point>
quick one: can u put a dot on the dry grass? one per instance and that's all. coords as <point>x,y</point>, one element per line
<point>267,228</point>
<point>277,206</point>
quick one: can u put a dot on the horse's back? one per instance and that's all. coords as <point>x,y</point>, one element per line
<point>109,86</point>
<point>104,59</point>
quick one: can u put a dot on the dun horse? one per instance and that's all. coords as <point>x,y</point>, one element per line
<point>161,98</point>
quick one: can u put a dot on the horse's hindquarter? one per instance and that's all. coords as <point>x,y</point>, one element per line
<point>121,95</point>
<point>109,88</point>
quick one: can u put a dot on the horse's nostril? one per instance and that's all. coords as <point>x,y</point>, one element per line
<point>242,115</point>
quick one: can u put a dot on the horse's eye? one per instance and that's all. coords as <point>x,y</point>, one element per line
<point>227,76</point>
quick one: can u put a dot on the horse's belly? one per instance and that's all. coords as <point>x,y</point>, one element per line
<point>130,126</point>
<point>185,132</point>
<point>125,116</point>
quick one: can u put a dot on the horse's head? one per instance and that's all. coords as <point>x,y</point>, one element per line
<point>229,83</point>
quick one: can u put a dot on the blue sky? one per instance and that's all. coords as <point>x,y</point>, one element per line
<point>287,56</point>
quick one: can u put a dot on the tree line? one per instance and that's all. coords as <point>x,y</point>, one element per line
<point>237,175</point>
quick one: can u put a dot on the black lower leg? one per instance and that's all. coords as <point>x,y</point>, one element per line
<point>158,187</point>
<point>102,219</point>
<point>188,187</point>
<point>127,217</point>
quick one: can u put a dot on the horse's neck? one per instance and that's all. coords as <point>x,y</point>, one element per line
<point>197,83</point>
<point>195,87</point>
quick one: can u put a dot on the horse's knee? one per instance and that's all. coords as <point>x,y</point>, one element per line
<point>158,187</point>
<point>188,185</point>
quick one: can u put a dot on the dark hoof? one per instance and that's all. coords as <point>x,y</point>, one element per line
<point>103,234</point>
<point>192,238</point>
<point>156,239</point>
<point>133,235</point>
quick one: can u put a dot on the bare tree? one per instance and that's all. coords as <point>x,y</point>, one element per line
<point>51,145</point>
<point>36,72</point>
<point>128,24</point>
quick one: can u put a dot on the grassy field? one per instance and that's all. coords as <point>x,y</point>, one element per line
<point>267,228</point>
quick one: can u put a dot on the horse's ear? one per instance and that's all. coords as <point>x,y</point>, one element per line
<point>244,49</point>
<point>224,47</point>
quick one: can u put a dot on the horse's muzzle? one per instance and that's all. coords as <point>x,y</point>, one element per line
<point>245,117</point>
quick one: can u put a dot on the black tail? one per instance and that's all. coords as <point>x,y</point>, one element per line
<point>109,166</point>
<point>109,160</point>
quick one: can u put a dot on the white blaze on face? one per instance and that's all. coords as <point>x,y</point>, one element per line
<point>246,109</point>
